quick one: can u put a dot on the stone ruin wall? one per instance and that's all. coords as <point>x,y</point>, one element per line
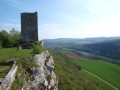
<point>29,27</point>
<point>9,78</point>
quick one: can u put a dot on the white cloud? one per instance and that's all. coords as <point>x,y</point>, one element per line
<point>101,8</point>
<point>52,25</point>
<point>109,26</point>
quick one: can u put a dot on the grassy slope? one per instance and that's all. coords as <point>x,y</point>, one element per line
<point>71,78</point>
<point>107,71</point>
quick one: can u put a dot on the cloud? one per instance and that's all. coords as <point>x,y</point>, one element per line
<point>52,25</point>
<point>49,30</point>
<point>102,8</point>
<point>109,26</point>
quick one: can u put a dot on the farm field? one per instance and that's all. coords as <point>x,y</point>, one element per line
<point>105,70</point>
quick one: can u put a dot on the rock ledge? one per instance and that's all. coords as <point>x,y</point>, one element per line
<point>43,77</point>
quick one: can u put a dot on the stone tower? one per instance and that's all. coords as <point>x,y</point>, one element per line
<point>29,27</point>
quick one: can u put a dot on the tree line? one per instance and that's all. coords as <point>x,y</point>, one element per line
<point>10,39</point>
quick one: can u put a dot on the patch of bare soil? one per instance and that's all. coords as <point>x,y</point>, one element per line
<point>77,56</point>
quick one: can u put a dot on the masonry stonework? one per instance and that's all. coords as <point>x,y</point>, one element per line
<point>29,27</point>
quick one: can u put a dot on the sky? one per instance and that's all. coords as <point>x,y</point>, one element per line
<point>65,18</point>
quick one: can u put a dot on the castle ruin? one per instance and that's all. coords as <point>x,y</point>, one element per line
<point>29,27</point>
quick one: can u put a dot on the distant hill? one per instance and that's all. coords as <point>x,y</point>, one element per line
<point>107,47</point>
<point>50,42</point>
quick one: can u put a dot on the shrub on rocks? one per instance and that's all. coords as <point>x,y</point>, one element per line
<point>37,48</point>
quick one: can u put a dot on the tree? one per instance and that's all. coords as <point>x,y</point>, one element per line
<point>10,39</point>
<point>15,36</point>
<point>4,35</point>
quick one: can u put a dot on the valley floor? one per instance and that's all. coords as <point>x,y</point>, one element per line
<point>100,79</point>
<point>104,71</point>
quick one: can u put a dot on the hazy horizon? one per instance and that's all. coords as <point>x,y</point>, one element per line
<point>65,18</point>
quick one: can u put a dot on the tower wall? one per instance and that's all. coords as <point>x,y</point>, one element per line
<point>29,27</point>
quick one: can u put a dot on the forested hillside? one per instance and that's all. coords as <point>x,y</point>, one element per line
<point>110,49</point>
<point>61,42</point>
<point>101,48</point>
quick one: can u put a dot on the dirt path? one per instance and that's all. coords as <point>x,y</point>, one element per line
<point>100,79</point>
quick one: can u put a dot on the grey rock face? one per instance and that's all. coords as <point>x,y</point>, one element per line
<point>43,76</point>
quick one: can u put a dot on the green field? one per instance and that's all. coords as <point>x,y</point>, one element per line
<point>105,70</point>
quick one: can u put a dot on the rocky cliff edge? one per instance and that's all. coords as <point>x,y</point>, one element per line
<point>43,76</point>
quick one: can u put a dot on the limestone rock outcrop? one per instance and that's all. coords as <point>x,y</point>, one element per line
<point>43,76</point>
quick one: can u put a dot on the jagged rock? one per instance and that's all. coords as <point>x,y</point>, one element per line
<point>43,76</point>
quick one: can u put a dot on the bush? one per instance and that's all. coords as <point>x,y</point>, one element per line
<point>9,39</point>
<point>37,49</point>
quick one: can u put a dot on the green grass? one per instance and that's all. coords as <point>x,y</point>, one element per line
<point>9,53</point>
<point>4,70</point>
<point>105,70</point>
<point>70,76</point>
